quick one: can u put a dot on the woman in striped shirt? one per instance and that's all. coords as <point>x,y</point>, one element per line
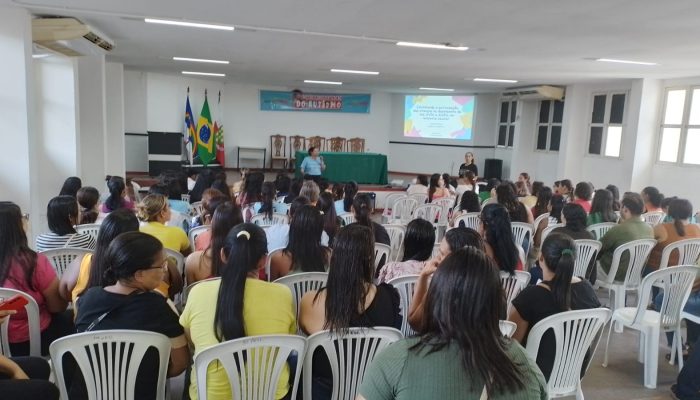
<point>62,214</point>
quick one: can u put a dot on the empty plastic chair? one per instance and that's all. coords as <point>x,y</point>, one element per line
<point>60,259</point>
<point>586,251</point>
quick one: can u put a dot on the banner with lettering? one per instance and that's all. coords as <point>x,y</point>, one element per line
<point>314,102</point>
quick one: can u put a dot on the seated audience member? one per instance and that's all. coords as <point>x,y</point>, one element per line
<point>87,271</point>
<point>468,203</point>
<point>687,386</point>
<point>544,196</point>
<point>488,196</point>
<point>71,186</point>
<point>222,185</point>
<point>174,182</point>
<point>418,245</point>
<point>311,191</point>
<point>582,196</point>
<point>558,292</point>
<point>237,305</point>
<point>420,187</point>
<point>331,221</point>
<point>566,189</point>
<point>88,197</point>
<point>536,187</point>
<point>454,240</point>
<point>267,200</point>
<point>498,238</point>
<point>448,184</point>
<point>524,177</point>
<point>203,240</point>
<point>436,188</point>
<point>461,353</point>
<point>338,196</point>
<point>177,218</point>
<point>631,228</point>
<point>117,195</point>
<point>602,208</point>
<point>363,214</point>
<point>349,299</point>
<point>206,263</point>
<point>26,377</point>
<point>556,186</point>
<point>505,194</point>
<point>294,189</point>
<point>62,215</point>
<point>154,211</point>
<point>191,180</point>
<point>467,183</point>
<point>664,207</point>
<point>282,183</point>
<point>556,204</point>
<point>137,265</point>
<point>23,269</point>
<point>304,252</point>
<point>616,196</point>
<point>323,184</point>
<point>278,234</point>
<point>203,182</point>
<point>652,199</point>
<point>210,199</point>
<point>251,191</point>
<point>350,190</point>
<point>573,217</point>
<point>523,195</point>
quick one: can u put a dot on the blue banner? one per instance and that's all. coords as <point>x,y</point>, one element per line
<point>315,102</point>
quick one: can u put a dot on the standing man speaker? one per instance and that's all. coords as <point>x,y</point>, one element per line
<point>313,165</point>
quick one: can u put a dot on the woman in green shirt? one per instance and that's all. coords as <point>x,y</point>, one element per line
<point>602,208</point>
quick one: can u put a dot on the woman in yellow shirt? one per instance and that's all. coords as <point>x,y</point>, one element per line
<point>155,212</point>
<point>245,306</point>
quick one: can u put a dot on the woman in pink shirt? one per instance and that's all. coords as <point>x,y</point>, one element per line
<point>583,194</point>
<point>418,247</point>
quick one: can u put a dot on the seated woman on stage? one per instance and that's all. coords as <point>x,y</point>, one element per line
<point>313,164</point>
<point>62,214</point>
<point>436,189</point>
<point>418,247</point>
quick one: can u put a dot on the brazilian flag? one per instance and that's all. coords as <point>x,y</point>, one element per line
<point>205,139</point>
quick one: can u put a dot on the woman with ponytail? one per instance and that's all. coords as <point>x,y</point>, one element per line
<point>117,195</point>
<point>350,190</point>
<point>558,292</point>
<point>361,207</point>
<point>680,211</point>
<point>245,306</point>
<point>498,238</point>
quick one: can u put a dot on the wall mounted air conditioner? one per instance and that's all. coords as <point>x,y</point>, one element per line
<point>69,36</point>
<point>542,92</point>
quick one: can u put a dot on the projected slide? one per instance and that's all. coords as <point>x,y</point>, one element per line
<point>439,117</point>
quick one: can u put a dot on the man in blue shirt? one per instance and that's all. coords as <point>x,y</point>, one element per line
<point>313,165</point>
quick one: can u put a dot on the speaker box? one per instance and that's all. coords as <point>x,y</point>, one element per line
<point>493,168</point>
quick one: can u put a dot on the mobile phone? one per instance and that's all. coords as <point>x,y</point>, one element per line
<point>16,303</point>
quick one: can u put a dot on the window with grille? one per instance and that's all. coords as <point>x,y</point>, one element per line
<point>679,138</point>
<point>607,122</point>
<point>506,123</point>
<point>549,125</point>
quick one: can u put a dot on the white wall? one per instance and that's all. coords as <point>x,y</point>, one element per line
<point>92,123</point>
<point>135,117</point>
<point>114,120</point>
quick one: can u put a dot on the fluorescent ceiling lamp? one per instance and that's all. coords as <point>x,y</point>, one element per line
<point>200,60</point>
<point>354,71</point>
<point>43,55</point>
<point>202,73</point>
<point>188,24</point>
<point>626,61</point>
<point>323,82</point>
<point>432,46</point>
<point>495,80</point>
<point>437,89</point>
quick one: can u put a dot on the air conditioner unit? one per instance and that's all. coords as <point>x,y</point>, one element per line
<point>542,92</point>
<point>69,36</point>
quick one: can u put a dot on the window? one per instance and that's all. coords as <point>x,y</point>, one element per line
<point>607,118</point>
<point>680,127</point>
<point>549,125</point>
<point>506,123</point>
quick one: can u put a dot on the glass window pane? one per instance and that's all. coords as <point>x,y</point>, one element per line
<point>670,140</point>
<point>595,144</point>
<point>617,108</point>
<point>695,108</point>
<point>513,109</point>
<point>511,134</point>
<point>613,141</point>
<point>502,135</point>
<point>555,138</point>
<point>544,111</point>
<point>504,111</point>
<point>692,147</point>
<point>598,109</point>
<point>558,111</point>
<point>542,137</point>
<point>675,101</point>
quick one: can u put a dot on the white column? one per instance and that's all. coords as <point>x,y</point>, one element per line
<point>92,127</point>
<point>650,93</point>
<point>114,105</point>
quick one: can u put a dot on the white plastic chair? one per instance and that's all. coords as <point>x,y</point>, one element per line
<point>253,365</point>
<point>194,232</point>
<point>268,260</point>
<point>599,230</point>
<point>575,332</point>
<point>447,203</point>
<point>396,236</point>
<point>552,221</point>
<point>262,220</point>
<point>419,197</point>
<point>301,283</point>
<point>61,258</point>
<point>32,310</point>
<point>391,198</point>
<point>688,252</point>
<point>436,250</point>
<point>507,327</point>
<point>138,196</point>
<point>676,283</point>
<point>653,218</point>
<point>514,284</point>
<point>522,233</point>
<point>197,208</point>
<point>586,250</point>
<point>428,212</point>
<point>89,229</point>
<point>639,251</point>
<point>103,357</point>
<point>539,220</point>
<point>403,210</point>
<point>185,198</point>
<point>179,260</point>
<point>381,251</point>
<point>405,285</point>
<point>546,231</point>
<point>348,218</point>
<point>470,220</point>
<point>349,354</point>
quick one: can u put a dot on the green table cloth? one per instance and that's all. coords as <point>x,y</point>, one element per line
<point>344,167</point>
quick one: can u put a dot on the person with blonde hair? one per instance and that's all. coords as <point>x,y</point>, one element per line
<point>311,191</point>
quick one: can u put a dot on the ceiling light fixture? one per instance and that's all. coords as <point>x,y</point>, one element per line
<point>188,24</point>
<point>437,89</point>
<point>433,46</point>
<point>43,55</point>
<point>200,60</point>
<point>495,80</point>
<point>202,73</point>
<point>625,61</point>
<point>323,82</point>
<point>354,71</point>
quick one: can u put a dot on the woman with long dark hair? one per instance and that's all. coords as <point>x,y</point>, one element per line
<point>498,238</point>
<point>88,197</point>
<point>418,245</point>
<point>350,190</point>
<point>573,216</point>
<point>117,195</point>
<point>616,196</point>
<point>505,194</point>
<point>349,299</point>
<point>361,208</point>
<point>558,292</point>
<point>543,197</point>
<point>601,208</point>
<point>437,188</point>
<point>556,203</point>
<point>62,214</point>
<point>268,195</point>
<point>331,221</point>
<point>71,186</point>
<point>23,269</point>
<point>304,252</point>
<point>461,353</point>
<point>244,306</point>
<point>205,178</point>
<point>468,203</point>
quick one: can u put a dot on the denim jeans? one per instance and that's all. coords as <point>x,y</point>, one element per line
<point>688,387</point>
<point>692,306</point>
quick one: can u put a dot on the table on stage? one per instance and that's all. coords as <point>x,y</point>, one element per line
<point>345,167</point>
